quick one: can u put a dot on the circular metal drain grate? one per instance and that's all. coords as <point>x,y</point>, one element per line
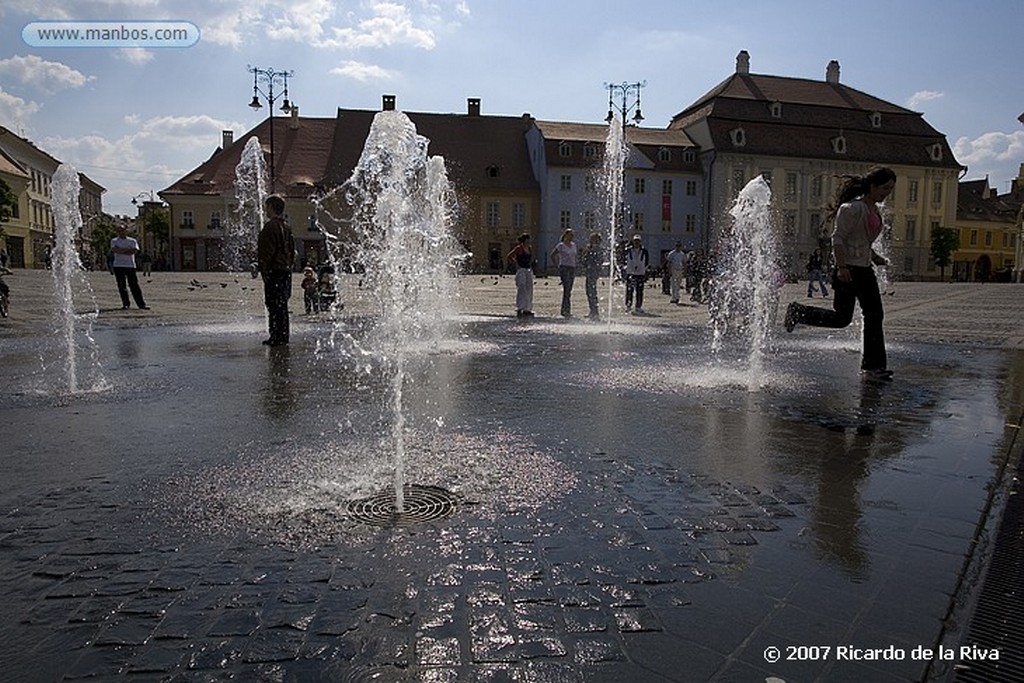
<point>422,504</point>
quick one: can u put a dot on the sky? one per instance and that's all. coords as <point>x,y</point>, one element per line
<point>135,119</point>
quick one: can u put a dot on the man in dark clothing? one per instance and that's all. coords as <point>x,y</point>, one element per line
<point>275,256</point>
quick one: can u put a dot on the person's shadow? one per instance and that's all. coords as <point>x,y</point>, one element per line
<point>837,522</point>
<point>279,397</point>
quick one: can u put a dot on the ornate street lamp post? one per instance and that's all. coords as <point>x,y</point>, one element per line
<point>630,99</point>
<point>270,78</point>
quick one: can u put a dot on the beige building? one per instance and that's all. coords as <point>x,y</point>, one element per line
<point>485,157</point>
<point>29,171</point>
<point>802,135</point>
<point>989,228</point>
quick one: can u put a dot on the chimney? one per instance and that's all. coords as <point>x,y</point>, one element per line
<point>294,123</point>
<point>388,103</point>
<point>227,138</point>
<point>473,106</point>
<point>832,72</point>
<point>743,62</point>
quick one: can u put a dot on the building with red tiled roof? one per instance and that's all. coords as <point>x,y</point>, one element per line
<point>802,134</point>
<point>485,158</point>
<point>662,190</point>
<point>989,228</point>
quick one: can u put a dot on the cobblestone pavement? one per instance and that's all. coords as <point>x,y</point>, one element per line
<point>626,509</point>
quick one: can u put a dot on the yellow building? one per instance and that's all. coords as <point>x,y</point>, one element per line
<point>803,134</point>
<point>989,228</point>
<point>29,171</point>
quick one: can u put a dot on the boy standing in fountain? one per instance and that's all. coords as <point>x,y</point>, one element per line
<point>564,254</point>
<point>858,224</point>
<point>123,249</point>
<point>275,253</point>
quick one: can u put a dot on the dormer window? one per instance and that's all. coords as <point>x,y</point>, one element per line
<point>935,152</point>
<point>876,119</point>
<point>839,144</point>
<point>589,151</point>
<point>689,156</point>
<point>492,171</point>
<point>565,149</point>
<point>776,109</point>
<point>738,137</point>
<point>664,154</point>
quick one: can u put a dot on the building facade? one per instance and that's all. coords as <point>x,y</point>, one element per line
<point>662,190</point>
<point>485,158</point>
<point>802,136</point>
<point>29,171</point>
<point>988,225</point>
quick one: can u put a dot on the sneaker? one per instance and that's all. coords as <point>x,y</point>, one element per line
<point>791,316</point>
<point>881,374</point>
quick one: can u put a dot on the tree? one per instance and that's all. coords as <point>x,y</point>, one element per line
<point>158,225</point>
<point>99,241</point>
<point>944,242</point>
<point>8,202</point>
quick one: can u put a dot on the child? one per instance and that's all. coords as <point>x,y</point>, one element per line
<point>310,291</point>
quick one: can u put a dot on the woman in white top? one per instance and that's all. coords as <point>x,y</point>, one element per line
<point>858,224</point>
<point>564,255</point>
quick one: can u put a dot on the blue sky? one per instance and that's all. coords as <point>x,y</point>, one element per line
<point>137,119</point>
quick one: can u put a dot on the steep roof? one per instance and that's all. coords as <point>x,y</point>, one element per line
<point>598,132</point>
<point>976,201</point>
<point>301,151</point>
<point>10,166</point>
<point>313,153</point>
<point>480,152</point>
<point>798,117</point>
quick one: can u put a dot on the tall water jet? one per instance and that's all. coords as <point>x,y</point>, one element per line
<point>400,235</point>
<point>613,173</point>
<point>67,270</point>
<point>747,277</point>
<point>250,193</point>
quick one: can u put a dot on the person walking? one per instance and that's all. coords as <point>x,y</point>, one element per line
<point>564,255</point>
<point>637,262</point>
<point>275,254</point>
<point>522,256</point>
<point>676,262</point>
<point>815,274</point>
<point>593,267</point>
<point>122,251</point>
<point>858,224</point>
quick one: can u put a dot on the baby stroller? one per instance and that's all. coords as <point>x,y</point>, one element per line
<point>327,292</point>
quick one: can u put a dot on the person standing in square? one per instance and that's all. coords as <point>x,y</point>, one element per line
<point>275,253</point>
<point>123,249</point>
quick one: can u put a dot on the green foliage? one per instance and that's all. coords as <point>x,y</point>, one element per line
<point>8,201</point>
<point>102,233</point>
<point>945,241</point>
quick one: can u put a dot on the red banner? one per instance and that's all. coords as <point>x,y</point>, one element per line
<point>666,207</point>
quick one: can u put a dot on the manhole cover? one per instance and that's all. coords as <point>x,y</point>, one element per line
<point>422,504</point>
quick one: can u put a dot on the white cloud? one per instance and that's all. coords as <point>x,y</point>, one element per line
<point>390,24</point>
<point>46,76</point>
<point>362,72</point>
<point>995,154</point>
<point>152,154</point>
<point>14,111</point>
<point>922,96</point>
<point>134,55</point>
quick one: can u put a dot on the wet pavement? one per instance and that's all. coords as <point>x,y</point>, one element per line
<point>627,508</point>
